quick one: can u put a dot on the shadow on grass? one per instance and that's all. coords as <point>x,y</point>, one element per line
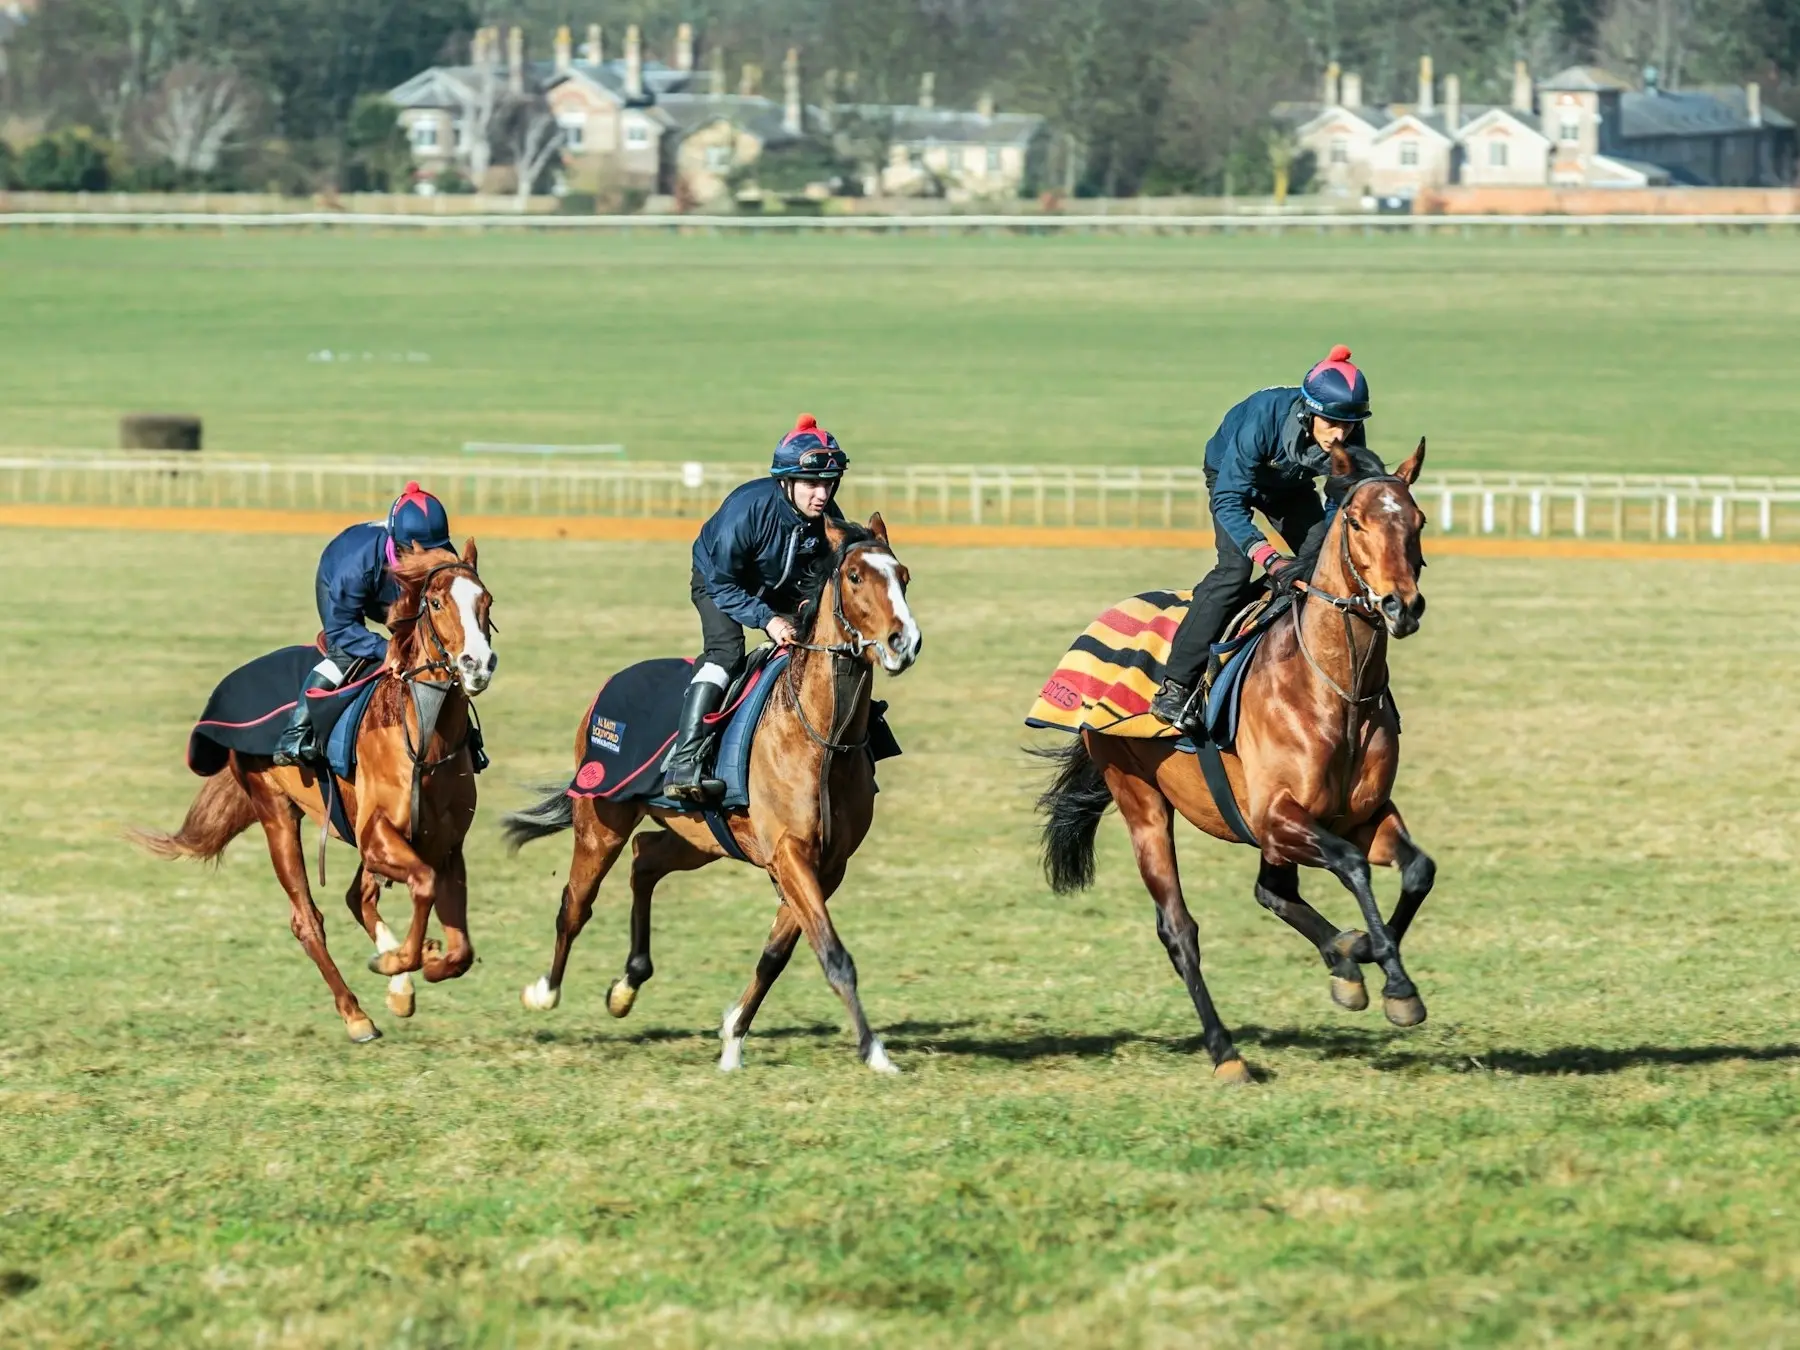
<point>811,1031</point>
<point>1379,1048</point>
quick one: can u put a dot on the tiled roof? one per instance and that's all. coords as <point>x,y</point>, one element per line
<point>1584,80</point>
<point>945,126</point>
<point>1690,112</point>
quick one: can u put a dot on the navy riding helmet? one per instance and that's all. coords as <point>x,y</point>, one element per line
<point>809,451</point>
<point>417,517</point>
<point>1335,389</point>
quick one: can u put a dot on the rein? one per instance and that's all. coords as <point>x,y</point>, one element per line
<point>850,651</point>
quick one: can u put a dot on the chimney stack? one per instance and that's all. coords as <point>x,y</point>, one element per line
<point>749,79</point>
<point>1452,103</point>
<point>1352,93</point>
<point>634,65</point>
<point>564,45</point>
<point>790,92</point>
<point>515,59</point>
<point>487,47</point>
<point>718,71</point>
<point>684,47</point>
<point>594,53</point>
<point>1521,95</point>
<point>928,90</point>
<point>984,106</point>
<point>1427,99</point>
<point>1332,78</point>
<point>1753,104</point>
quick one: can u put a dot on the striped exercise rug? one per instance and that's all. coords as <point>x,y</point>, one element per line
<point>1107,679</point>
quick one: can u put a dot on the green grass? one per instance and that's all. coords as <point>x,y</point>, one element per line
<point>1592,1141</point>
<point>1601,352</point>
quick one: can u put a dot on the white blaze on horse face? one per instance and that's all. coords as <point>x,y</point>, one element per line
<point>896,661</point>
<point>476,664</point>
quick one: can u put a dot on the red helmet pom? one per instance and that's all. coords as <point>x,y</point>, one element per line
<point>807,422</point>
<point>411,488</point>
<point>1339,353</point>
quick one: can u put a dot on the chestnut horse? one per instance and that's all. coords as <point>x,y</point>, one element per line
<point>441,630</point>
<point>1313,766</point>
<point>812,798</point>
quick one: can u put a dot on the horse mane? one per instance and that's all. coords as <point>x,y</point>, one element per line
<point>1364,464</point>
<point>410,568</point>
<point>818,575</point>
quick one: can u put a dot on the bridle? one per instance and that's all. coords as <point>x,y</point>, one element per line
<point>851,650</point>
<point>440,663</point>
<point>1361,604</point>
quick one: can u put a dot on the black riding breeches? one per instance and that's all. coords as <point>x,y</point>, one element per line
<point>721,638</point>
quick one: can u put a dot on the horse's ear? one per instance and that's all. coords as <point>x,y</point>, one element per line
<point>834,534</point>
<point>878,527</point>
<point>1409,471</point>
<point>469,551</point>
<point>1342,466</point>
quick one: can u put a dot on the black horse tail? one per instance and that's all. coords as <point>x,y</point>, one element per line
<point>554,814</point>
<point>1072,806</point>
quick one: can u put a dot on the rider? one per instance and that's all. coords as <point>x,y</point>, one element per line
<point>355,584</point>
<point>1265,455</point>
<point>749,561</point>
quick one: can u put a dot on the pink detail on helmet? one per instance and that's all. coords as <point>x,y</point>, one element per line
<point>808,425</point>
<point>417,495</point>
<point>1338,359</point>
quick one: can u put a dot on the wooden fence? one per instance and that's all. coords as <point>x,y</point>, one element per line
<point>1565,506</point>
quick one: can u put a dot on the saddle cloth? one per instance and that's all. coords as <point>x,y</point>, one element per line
<point>634,719</point>
<point>249,709</point>
<point>1106,680</point>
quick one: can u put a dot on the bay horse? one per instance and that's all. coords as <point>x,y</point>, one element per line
<point>1313,766</point>
<point>441,627</point>
<point>812,797</point>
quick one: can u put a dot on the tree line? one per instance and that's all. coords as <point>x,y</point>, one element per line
<point>1155,95</point>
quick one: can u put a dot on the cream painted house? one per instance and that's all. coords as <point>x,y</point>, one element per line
<point>1410,153</point>
<point>1500,148</point>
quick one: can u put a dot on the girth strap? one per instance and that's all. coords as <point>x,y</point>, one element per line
<point>1212,768</point>
<point>721,832</point>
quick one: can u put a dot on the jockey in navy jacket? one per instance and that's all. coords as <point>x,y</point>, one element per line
<point>354,585</point>
<point>750,562</point>
<point>1265,456</point>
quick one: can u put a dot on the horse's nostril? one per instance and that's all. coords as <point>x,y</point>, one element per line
<point>1417,607</point>
<point>897,641</point>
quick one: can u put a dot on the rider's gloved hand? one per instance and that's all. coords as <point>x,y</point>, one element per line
<point>1282,570</point>
<point>781,631</point>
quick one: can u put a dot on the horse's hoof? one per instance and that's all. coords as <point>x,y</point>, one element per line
<point>362,1030</point>
<point>1404,1012</point>
<point>1233,1073</point>
<point>877,1058</point>
<point>540,997</point>
<point>1350,995</point>
<point>401,1005</point>
<point>620,997</point>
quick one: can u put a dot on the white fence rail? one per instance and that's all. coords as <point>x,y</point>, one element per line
<point>943,224</point>
<point>1566,506</point>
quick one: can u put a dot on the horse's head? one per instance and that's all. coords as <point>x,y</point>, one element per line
<point>1380,539</point>
<point>870,586</point>
<point>443,615</point>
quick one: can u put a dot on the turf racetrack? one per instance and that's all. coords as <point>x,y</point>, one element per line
<point>1592,1141</point>
<point>1606,352</point>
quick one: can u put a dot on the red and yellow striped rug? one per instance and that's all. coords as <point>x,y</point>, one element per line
<point>1107,679</point>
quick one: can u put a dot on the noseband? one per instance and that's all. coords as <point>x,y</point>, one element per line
<point>1363,602</point>
<point>848,651</point>
<point>440,662</point>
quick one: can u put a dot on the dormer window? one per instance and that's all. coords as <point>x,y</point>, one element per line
<point>1340,150</point>
<point>425,134</point>
<point>1568,131</point>
<point>1409,154</point>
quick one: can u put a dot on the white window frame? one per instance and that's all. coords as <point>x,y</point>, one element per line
<point>637,134</point>
<point>424,134</point>
<point>574,128</point>
<point>1338,152</point>
<point>995,160</point>
<point>1409,154</point>
<point>1498,154</point>
<point>1568,129</point>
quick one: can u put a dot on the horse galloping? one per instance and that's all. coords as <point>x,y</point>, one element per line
<point>812,795</point>
<point>441,626</point>
<point>1313,766</point>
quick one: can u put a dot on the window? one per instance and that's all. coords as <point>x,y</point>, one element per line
<point>1340,150</point>
<point>1496,154</point>
<point>574,129</point>
<point>1569,130</point>
<point>993,159</point>
<point>425,134</point>
<point>1409,154</point>
<point>718,157</point>
<point>637,135</point>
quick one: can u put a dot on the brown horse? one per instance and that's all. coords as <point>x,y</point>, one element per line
<point>812,794</point>
<point>441,630</point>
<point>1313,766</point>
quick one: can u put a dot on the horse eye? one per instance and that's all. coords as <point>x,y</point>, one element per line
<point>855,577</point>
<point>1354,523</point>
<point>436,603</point>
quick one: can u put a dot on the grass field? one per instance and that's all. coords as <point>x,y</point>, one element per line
<point>1591,1142</point>
<point>1605,352</point>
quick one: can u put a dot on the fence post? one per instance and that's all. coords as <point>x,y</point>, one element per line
<point>1581,515</point>
<point>1447,509</point>
<point>1672,517</point>
<point>974,498</point>
<point>1536,515</point>
<point>1762,517</point>
<point>1487,513</point>
<point>1718,518</point>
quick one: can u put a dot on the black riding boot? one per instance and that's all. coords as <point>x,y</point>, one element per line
<point>687,762</point>
<point>296,744</point>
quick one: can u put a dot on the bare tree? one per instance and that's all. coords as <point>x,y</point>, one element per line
<point>537,138</point>
<point>480,96</point>
<point>196,114</point>
<point>1633,34</point>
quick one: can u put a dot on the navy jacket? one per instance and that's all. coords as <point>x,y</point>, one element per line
<point>753,551</point>
<point>1264,451</point>
<point>354,586</point>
